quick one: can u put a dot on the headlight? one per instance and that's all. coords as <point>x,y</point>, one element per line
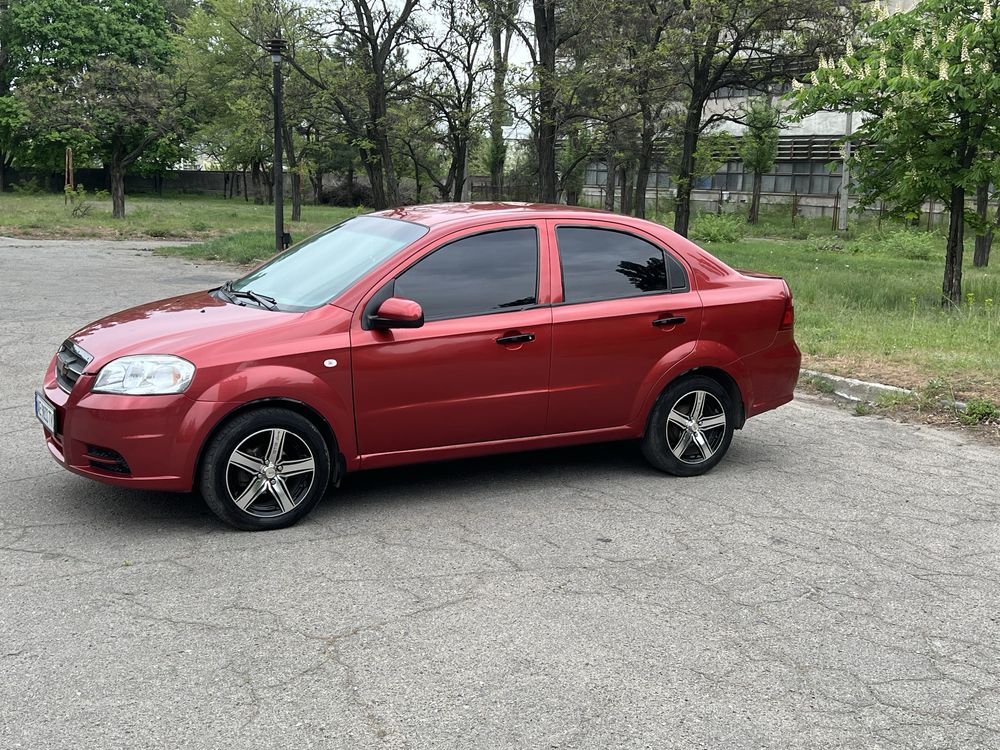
<point>145,375</point>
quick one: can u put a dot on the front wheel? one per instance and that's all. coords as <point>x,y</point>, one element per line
<point>690,427</point>
<point>265,470</point>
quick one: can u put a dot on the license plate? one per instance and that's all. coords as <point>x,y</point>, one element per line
<point>45,412</point>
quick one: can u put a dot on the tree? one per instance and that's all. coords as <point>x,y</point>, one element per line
<point>929,81</point>
<point>759,146</point>
<point>376,33</point>
<point>986,228</point>
<point>501,20</point>
<point>560,94</point>
<point>10,118</point>
<point>451,85</point>
<point>648,78</point>
<point>747,45</point>
<point>121,108</point>
<point>555,24</point>
<point>548,39</point>
<point>72,65</point>
<point>50,39</point>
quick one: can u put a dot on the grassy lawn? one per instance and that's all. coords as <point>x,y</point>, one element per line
<point>172,216</point>
<point>872,315</point>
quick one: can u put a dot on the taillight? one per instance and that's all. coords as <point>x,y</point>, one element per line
<point>788,318</point>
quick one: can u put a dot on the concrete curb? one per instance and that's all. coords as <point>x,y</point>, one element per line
<point>854,390</point>
<point>850,389</point>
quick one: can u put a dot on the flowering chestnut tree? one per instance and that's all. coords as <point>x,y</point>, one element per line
<point>927,83</point>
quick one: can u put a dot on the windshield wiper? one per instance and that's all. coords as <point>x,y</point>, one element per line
<point>261,299</point>
<point>226,292</point>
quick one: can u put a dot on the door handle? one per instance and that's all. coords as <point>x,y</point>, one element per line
<point>674,321</point>
<point>520,338</point>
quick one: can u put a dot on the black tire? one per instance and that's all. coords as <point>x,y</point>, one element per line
<point>269,474</point>
<point>675,447</point>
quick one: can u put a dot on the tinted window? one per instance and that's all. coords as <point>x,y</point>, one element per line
<point>489,272</point>
<point>321,267</point>
<point>604,264</point>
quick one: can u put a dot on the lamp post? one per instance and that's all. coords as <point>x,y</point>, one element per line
<point>276,48</point>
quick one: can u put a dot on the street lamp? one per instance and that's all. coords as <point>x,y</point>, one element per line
<point>276,47</point>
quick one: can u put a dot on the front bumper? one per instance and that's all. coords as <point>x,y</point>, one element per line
<point>149,442</point>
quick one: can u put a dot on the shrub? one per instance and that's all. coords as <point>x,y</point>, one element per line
<point>101,195</point>
<point>340,195</point>
<point>979,410</point>
<point>826,244</point>
<point>898,243</point>
<point>29,187</point>
<point>718,228</point>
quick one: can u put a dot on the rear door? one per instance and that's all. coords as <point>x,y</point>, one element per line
<point>478,369</point>
<point>626,308</point>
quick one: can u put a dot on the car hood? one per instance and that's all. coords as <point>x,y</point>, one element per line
<point>179,325</point>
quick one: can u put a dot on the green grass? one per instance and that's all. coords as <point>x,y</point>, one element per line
<point>871,313</point>
<point>169,217</point>
<point>242,248</point>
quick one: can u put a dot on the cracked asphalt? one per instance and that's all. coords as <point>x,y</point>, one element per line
<point>833,583</point>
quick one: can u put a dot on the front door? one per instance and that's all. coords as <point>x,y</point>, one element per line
<point>478,369</point>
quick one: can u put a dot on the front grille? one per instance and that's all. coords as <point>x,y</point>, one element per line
<point>105,459</point>
<point>71,361</point>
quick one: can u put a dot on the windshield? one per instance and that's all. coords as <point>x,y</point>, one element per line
<point>318,269</point>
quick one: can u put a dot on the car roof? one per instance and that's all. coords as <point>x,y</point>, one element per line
<point>434,214</point>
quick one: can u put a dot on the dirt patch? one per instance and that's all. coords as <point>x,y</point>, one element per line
<point>906,375</point>
<point>920,408</point>
<point>99,232</point>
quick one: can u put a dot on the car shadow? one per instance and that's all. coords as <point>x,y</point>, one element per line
<point>454,481</point>
<point>498,473</point>
<point>439,482</point>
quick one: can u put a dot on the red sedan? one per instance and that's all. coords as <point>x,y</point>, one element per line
<point>423,334</point>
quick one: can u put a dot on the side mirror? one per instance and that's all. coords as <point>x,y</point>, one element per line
<point>397,312</point>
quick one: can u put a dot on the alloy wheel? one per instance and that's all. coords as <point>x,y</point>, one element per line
<point>270,472</point>
<point>696,427</point>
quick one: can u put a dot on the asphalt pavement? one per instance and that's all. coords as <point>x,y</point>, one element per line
<point>833,583</point>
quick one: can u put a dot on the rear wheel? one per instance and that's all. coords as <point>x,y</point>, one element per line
<point>265,470</point>
<point>690,427</point>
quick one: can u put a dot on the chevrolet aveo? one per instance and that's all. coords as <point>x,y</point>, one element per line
<point>422,334</point>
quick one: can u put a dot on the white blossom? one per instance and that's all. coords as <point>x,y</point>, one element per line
<point>814,78</point>
<point>845,68</point>
<point>965,50</point>
<point>797,85</point>
<point>882,68</point>
<point>987,11</point>
<point>943,70</point>
<point>850,49</point>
